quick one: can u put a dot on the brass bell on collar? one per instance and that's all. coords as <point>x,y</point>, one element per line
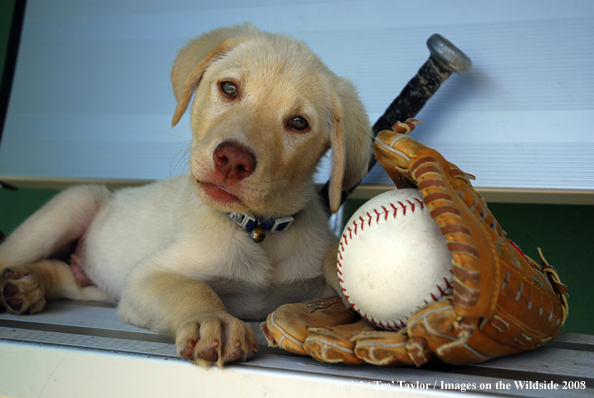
<point>257,235</point>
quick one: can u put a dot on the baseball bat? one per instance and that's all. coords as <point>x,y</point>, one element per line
<point>444,59</point>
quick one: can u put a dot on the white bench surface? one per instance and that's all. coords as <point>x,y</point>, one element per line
<point>75,349</point>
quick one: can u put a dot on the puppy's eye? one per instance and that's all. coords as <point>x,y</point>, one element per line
<point>229,88</point>
<point>298,123</point>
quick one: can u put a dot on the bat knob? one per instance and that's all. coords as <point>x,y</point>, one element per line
<point>448,55</point>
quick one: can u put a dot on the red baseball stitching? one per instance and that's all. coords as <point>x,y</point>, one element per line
<point>352,230</point>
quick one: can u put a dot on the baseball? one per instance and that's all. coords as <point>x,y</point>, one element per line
<point>392,259</point>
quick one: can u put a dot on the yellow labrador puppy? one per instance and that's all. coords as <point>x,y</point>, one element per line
<point>178,253</point>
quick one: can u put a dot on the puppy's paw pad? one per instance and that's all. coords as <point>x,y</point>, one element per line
<point>240,342</point>
<point>21,291</point>
<point>216,340</point>
<point>188,351</point>
<point>10,290</point>
<point>11,274</point>
<point>15,304</point>
<point>210,354</point>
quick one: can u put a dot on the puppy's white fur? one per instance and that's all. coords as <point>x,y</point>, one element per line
<point>168,251</point>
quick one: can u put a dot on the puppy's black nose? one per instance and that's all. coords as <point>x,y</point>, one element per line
<point>234,161</point>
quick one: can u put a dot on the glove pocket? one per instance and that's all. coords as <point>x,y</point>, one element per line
<point>289,325</point>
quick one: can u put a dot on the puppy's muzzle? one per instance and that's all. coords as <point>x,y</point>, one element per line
<point>233,161</point>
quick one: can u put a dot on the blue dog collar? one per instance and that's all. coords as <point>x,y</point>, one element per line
<point>257,226</point>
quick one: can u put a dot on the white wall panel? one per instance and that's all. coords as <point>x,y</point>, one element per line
<point>91,96</point>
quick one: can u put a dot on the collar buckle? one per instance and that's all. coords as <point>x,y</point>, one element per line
<point>282,224</point>
<point>256,227</point>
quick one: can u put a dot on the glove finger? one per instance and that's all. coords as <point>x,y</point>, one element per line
<point>444,332</point>
<point>334,344</point>
<point>395,160</point>
<point>383,348</point>
<point>453,339</point>
<point>287,327</point>
<point>414,344</point>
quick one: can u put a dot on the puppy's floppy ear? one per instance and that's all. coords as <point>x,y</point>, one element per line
<point>350,139</point>
<point>193,59</point>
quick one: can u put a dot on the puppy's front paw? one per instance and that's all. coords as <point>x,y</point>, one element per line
<point>21,290</point>
<point>215,339</point>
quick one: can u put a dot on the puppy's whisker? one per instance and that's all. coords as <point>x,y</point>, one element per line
<point>179,161</point>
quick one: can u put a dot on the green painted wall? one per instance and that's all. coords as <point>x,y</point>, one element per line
<point>563,232</point>
<point>15,206</point>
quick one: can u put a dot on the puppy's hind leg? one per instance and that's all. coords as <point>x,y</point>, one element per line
<point>55,226</point>
<point>25,288</point>
<point>27,278</point>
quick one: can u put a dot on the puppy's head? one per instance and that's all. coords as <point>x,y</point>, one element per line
<point>265,111</point>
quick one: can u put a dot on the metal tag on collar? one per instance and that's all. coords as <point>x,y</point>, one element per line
<point>250,224</point>
<point>282,223</point>
<point>257,234</point>
<point>256,230</point>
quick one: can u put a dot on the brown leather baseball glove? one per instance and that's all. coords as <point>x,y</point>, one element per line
<point>503,301</point>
